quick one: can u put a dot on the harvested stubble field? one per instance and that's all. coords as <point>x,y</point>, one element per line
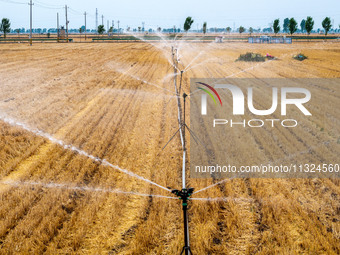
<point>93,96</point>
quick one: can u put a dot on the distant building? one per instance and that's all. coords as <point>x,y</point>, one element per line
<point>269,39</point>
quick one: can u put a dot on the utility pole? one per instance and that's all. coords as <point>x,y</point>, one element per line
<point>85,26</point>
<point>108,24</point>
<point>118,26</point>
<point>66,23</point>
<point>31,4</point>
<point>58,27</point>
<point>143,23</point>
<point>97,20</point>
<point>102,20</point>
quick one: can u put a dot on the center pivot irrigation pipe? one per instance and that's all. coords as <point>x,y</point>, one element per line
<point>185,193</point>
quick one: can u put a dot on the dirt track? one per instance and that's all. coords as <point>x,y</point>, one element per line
<point>93,97</point>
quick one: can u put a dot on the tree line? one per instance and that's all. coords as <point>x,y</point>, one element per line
<point>291,26</point>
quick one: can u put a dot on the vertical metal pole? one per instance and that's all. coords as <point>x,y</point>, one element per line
<point>97,20</point>
<point>183,171</point>
<point>66,23</point>
<point>118,26</point>
<point>185,193</point>
<point>180,82</point>
<point>102,20</point>
<point>31,22</point>
<point>185,206</point>
<point>184,146</point>
<point>58,27</point>
<point>85,26</point>
<point>186,234</point>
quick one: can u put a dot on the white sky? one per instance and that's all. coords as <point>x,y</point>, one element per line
<point>166,14</point>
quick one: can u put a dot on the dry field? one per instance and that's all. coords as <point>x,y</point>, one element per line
<point>92,96</point>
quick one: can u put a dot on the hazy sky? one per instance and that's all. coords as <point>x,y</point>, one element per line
<point>154,13</point>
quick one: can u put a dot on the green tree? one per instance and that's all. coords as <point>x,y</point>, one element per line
<point>228,29</point>
<point>292,26</point>
<point>241,29</point>
<point>303,25</point>
<point>309,24</point>
<point>251,30</point>
<point>111,29</point>
<point>5,26</point>
<point>187,24</point>
<point>101,29</point>
<point>326,24</point>
<point>285,25</point>
<point>204,27</point>
<point>276,26</point>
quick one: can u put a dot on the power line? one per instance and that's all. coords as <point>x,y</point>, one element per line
<point>12,2</point>
<point>74,11</point>
<point>48,4</point>
<point>47,7</point>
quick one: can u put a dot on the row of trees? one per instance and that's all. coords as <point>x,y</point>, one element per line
<point>289,25</point>
<point>306,25</point>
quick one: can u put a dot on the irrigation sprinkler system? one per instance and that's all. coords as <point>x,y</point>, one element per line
<point>185,192</point>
